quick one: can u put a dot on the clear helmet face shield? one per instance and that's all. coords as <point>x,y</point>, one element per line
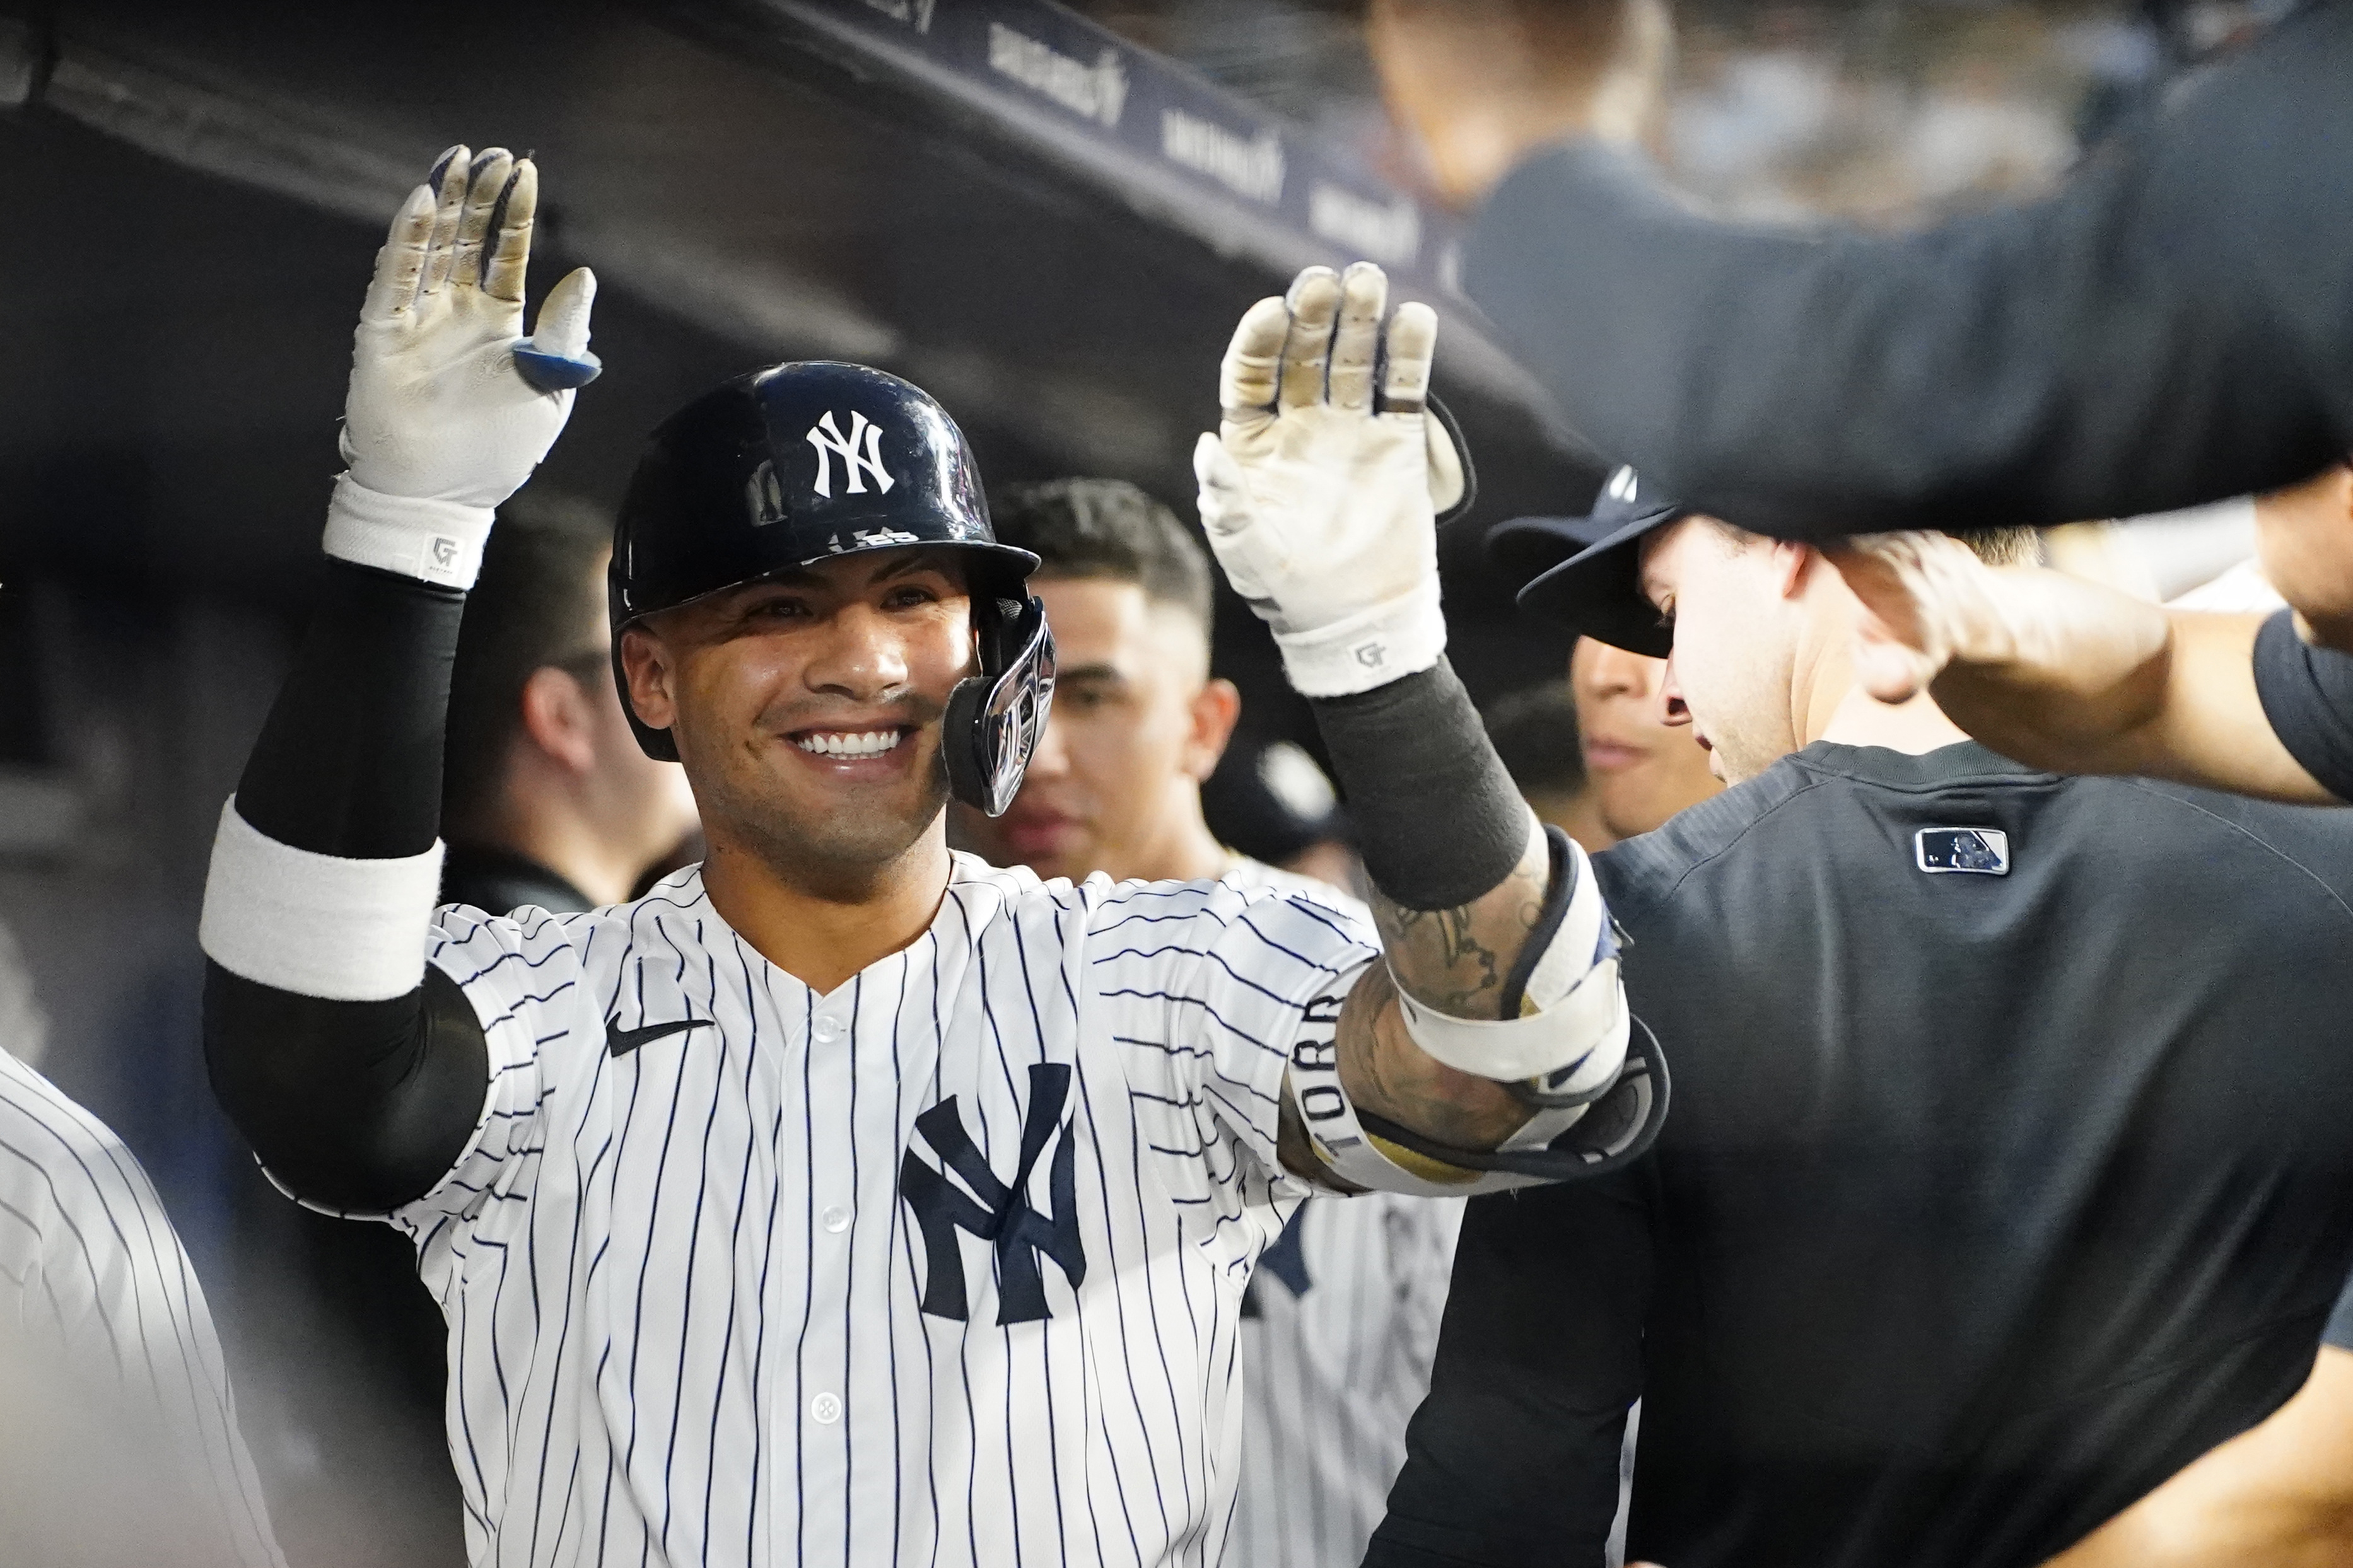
<point>994,719</point>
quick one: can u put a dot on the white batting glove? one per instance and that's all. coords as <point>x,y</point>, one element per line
<point>440,425</point>
<point>1319,509</point>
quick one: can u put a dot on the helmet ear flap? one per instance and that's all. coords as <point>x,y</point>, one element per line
<point>994,719</point>
<point>960,747</point>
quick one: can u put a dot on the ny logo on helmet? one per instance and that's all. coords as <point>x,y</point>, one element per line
<point>860,453</point>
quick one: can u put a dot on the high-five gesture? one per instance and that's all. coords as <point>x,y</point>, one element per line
<point>450,406</point>
<point>1320,498</point>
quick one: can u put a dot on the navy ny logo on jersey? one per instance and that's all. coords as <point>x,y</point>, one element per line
<point>997,1211</point>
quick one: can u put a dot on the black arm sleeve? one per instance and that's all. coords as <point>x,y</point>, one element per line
<point>1514,1457</point>
<point>356,1105</point>
<point>2175,326</point>
<point>2307,695</point>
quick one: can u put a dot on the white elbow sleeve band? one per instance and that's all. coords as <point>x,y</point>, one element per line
<point>1366,1160</point>
<point>1562,1042</point>
<point>437,541</point>
<point>317,925</point>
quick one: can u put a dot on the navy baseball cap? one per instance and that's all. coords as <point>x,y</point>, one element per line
<point>1584,572</point>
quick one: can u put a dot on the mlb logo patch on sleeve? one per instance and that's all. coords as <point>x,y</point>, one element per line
<point>1984,850</point>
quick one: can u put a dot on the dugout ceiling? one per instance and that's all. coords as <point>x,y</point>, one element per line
<point>1048,227</point>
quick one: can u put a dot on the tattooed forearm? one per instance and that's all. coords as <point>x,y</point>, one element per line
<point>1457,959</point>
<point>1384,1071</point>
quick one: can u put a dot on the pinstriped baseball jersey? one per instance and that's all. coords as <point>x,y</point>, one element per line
<point>1338,1329</point>
<point>942,1268</point>
<point>96,1287</point>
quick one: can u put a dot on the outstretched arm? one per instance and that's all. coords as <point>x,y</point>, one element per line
<point>2167,329</point>
<point>2068,675</point>
<point>357,1073</point>
<point>1497,1017</point>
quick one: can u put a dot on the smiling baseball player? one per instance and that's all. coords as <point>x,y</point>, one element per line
<point>845,1200</point>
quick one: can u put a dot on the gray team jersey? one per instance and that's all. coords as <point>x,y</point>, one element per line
<point>1338,1329</point>
<point>118,1436</point>
<point>944,1267</point>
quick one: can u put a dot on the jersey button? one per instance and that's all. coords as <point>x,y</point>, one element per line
<point>837,1219</point>
<point>828,1030</point>
<point>825,1409</point>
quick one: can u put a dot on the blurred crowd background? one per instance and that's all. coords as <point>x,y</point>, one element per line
<point>192,205</point>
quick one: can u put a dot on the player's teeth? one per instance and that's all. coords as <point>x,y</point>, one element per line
<point>863,743</point>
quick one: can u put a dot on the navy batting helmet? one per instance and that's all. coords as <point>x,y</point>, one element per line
<point>805,462</point>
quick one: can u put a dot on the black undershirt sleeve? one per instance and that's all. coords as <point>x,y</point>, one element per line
<point>2307,695</point>
<point>355,1105</point>
<point>1514,1457</point>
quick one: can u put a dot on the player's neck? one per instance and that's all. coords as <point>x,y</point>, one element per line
<point>1837,710</point>
<point>823,933</point>
<point>1186,850</point>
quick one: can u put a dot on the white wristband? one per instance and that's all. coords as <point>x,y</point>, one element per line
<point>1369,649</point>
<point>1573,1017</point>
<point>1586,1029</point>
<point>317,925</point>
<point>437,541</point>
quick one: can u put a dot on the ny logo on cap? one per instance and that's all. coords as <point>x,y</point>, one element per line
<point>860,453</point>
<point>1623,485</point>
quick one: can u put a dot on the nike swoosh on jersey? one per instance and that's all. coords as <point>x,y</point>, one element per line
<point>621,1042</point>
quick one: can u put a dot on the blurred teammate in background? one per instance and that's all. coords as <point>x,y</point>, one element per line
<point>1341,1315</point>
<point>1272,802</point>
<point>1535,731</point>
<point>2174,326</point>
<point>1642,769</point>
<point>2006,1172</point>
<point>547,799</point>
<point>1138,720</point>
<point>2081,678</point>
<point>119,1440</point>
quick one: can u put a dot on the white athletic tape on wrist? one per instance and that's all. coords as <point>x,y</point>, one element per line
<point>1369,649</point>
<point>1364,1159</point>
<point>317,925</point>
<point>437,541</point>
<point>1572,1013</point>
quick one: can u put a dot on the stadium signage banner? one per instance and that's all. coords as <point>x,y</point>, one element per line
<point>1141,120</point>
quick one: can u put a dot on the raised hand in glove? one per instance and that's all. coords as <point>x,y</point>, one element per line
<point>450,406</point>
<point>1320,500</point>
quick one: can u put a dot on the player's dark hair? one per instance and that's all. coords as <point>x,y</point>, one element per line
<point>1107,528</point>
<point>1535,731</point>
<point>539,601</point>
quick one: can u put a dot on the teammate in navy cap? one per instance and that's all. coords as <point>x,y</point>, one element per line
<point>845,1200</point>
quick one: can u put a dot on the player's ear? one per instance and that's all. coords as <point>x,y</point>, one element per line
<point>1794,566</point>
<point>1215,708</point>
<point>557,718</point>
<point>646,664</point>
